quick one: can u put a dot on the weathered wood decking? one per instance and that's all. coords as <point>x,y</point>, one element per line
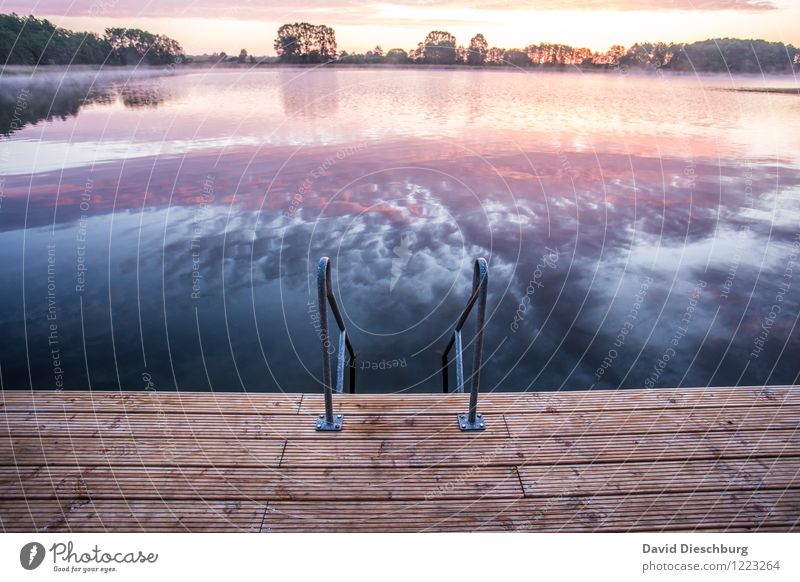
<point>653,460</point>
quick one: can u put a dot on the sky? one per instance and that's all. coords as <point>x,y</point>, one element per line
<point>206,26</point>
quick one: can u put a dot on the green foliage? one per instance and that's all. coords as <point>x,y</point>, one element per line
<point>32,41</point>
<point>25,40</point>
<point>734,56</point>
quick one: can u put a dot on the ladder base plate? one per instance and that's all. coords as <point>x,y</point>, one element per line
<point>465,425</point>
<point>336,425</point>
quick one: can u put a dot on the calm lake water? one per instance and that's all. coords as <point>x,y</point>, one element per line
<point>163,232</point>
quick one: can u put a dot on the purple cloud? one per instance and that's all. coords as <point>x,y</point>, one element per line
<point>345,10</point>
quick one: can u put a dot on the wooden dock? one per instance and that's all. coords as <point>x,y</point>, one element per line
<point>632,460</point>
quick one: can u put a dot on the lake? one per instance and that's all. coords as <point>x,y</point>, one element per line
<point>162,232</point>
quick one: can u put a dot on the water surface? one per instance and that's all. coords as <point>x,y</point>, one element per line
<point>162,231</point>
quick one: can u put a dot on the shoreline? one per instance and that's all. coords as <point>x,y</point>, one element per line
<point>15,70</point>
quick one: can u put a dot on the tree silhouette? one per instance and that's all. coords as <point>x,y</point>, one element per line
<point>478,49</point>
<point>516,58</point>
<point>495,55</point>
<point>133,46</point>
<point>439,48</point>
<point>305,43</point>
<point>735,56</point>
<point>396,56</point>
<point>32,41</point>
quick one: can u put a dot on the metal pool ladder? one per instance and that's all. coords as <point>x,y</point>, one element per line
<point>480,283</point>
<point>470,421</point>
<point>330,421</point>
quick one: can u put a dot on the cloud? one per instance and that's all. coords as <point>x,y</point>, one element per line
<point>353,11</point>
<point>643,5</point>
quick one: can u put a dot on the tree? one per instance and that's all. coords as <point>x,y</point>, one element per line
<point>418,54</point>
<point>396,56</point>
<point>305,43</point>
<point>375,55</point>
<point>733,55</point>
<point>132,46</point>
<point>439,48</point>
<point>30,41</point>
<point>242,56</point>
<point>614,55</point>
<point>516,58</point>
<point>478,49</point>
<point>287,45</point>
<point>325,42</point>
<point>495,56</point>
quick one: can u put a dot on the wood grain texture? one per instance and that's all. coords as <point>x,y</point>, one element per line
<point>715,459</point>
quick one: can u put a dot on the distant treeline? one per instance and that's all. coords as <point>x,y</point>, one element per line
<point>307,43</point>
<point>25,40</point>
<point>32,41</point>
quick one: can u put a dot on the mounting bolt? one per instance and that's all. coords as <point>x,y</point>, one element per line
<point>466,425</point>
<point>336,425</point>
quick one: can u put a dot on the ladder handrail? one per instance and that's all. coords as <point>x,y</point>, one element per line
<point>480,283</point>
<point>329,421</point>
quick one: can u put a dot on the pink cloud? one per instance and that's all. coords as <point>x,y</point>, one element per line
<point>346,10</point>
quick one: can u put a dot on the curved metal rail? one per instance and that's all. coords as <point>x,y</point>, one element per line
<point>480,283</point>
<point>330,421</point>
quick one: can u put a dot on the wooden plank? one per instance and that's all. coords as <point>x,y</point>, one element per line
<point>149,401</point>
<point>662,421</point>
<point>490,402</point>
<point>660,477</point>
<point>241,426</point>
<point>322,452</point>
<point>665,447</point>
<point>714,459</point>
<point>663,512</point>
<point>420,427</point>
<point>88,451</point>
<point>131,516</point>
<point>255,484</point>
<point>558,401</point>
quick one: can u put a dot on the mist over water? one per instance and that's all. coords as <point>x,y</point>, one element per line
<point>162,232</point>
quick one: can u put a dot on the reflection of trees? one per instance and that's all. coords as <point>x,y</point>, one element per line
<point>310,96</point>
<point>26,102</point>
<point>139,96</point>
<point>26,105</point>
